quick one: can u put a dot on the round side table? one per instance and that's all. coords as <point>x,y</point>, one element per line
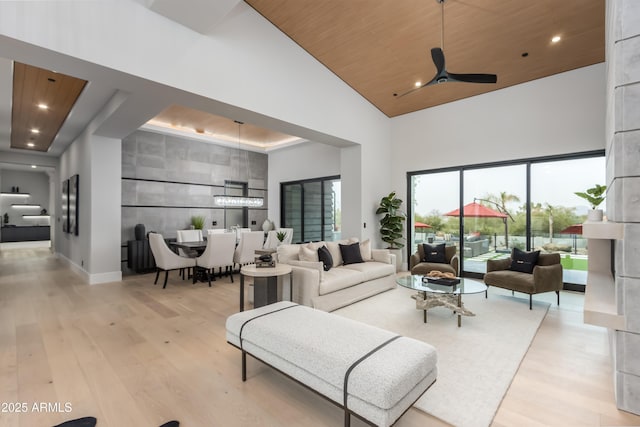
<point>265,283</point>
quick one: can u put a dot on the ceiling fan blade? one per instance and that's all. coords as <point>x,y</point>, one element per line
<point>473,78</point>
<point>438,59</point>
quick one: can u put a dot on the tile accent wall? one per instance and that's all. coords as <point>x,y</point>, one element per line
<point>166,180</point>
<point>623,195</point>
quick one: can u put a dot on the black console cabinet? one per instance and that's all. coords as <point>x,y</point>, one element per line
<point>139,256</point>
<point>26,233</point>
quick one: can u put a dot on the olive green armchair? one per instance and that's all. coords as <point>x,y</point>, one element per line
<point>418,266</point>
<point>546,276</point>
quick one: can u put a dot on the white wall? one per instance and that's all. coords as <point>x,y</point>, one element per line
<point>245,69</point>
<point>304,161</point>
<point>560,114</point>
<point>106,198</point>
<point>95,251</point>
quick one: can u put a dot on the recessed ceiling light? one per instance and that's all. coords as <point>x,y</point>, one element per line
<point>34,130</point>
<point>30,144</point>
<point>555,39</point>
<point>33,166</point>
<point>43,106</point>
<point>418,84</point>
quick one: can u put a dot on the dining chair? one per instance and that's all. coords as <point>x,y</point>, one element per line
<point>246,250</point>
<point>272,240</point>
<point>188,236</point>
<point>219,253</point>
<point>166,259</point>
<point>216,230</point>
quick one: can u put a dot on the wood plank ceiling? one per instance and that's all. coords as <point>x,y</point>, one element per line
<point>383,47</point>
<point>42,100</point>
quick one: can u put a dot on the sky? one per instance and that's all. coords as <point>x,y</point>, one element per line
<point>552,182</point>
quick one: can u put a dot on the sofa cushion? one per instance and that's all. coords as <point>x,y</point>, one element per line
<point>365,250</point>
<point>508,279</point>
<point>287,253</point>
<point>309,252</point>
<point>325,257</point>
<point>522,261</point>
<point>433,253</point>
<point>339,278</point>
<point>372,269</point>
<point>425,267</point>
<point>351,253</point>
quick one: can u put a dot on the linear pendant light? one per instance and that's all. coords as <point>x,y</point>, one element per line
<point>238,201</point>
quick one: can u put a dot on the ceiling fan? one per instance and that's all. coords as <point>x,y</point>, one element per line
<point>442,75</point>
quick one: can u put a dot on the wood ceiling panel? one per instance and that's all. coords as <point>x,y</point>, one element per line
<point>33,86</point>
<point>190,120</point>
<point>383,47</point>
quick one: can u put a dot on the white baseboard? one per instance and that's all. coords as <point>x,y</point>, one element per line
<point>91,279</point>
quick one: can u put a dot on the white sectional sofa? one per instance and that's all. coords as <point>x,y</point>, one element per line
<point>342,284</point>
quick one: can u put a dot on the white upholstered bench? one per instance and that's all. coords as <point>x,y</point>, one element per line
<point>371,373</point>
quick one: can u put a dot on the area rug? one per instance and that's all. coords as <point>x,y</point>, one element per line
<point>476,362</point>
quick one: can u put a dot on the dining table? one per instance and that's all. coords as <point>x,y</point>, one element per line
<point>195,247</point>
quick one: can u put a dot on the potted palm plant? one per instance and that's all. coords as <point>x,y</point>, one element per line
<point>594,196</point>
<point>392,224</point>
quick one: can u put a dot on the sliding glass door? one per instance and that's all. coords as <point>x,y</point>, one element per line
<point>527,204</point>
<point>494,214</point>
<point>557,213</point>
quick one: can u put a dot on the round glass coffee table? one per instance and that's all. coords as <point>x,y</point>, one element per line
<point>436,295</point>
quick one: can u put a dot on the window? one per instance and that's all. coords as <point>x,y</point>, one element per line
<point>312,209</point>
<point>529,204</point>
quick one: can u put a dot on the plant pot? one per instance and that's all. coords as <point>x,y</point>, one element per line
<point>595,215</point>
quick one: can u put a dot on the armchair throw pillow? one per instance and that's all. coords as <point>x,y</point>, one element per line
<point>434,253</point>
<point>523,261</point>
<point>325,257</point>
<point>351,253</point>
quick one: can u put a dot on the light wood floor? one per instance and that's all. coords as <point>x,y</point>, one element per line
<point>133,354</point>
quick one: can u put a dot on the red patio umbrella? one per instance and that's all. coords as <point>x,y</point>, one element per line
<point>477,210</point>
<point>574,230</point>
<point>474,209</point>
<point>418,224</point>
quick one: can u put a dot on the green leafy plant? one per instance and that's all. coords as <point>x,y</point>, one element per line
<point>392,223</point>
<point>197,222</point>
<point>281,235</point>
<point>594,195</point>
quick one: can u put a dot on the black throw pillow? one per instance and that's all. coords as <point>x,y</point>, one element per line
<point>351,253</point>
<point>434,253</point>
<point>325,256</point>
<point>523,261</point>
